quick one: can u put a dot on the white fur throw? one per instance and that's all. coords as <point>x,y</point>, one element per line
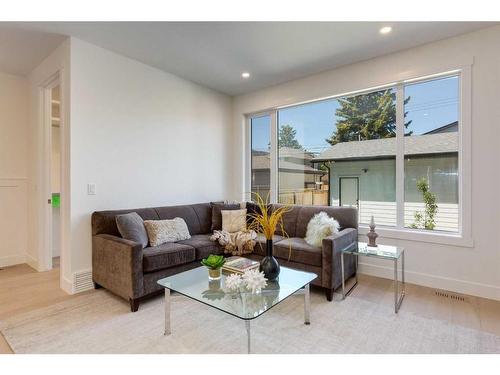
<point>320,226</point>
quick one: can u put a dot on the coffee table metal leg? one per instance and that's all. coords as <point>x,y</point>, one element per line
<point>307,305</point>
<point>344,293</point>
<point>247,325</point>
<point>398,297</point>
<point>343,275</point>
<point>168,330</point>
<point>396,285</point>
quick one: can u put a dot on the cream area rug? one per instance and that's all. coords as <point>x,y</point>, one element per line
<point>98,322</point>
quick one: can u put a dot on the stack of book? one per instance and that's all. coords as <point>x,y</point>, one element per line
<point>239,265</point>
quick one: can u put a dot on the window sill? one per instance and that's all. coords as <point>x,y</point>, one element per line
<point>420,236</point>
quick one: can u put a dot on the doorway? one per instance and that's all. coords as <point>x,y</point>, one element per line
<point>349,191</point>
<point>52,124</point>
<point>55,172</point>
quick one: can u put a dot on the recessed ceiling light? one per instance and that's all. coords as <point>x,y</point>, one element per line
<point>385,30</point>
<point>245,75</point>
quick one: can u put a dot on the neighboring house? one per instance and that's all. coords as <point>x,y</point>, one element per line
<point>296,172</point>
<point>363,174</point>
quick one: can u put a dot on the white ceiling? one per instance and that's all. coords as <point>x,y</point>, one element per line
<point>215,54</point>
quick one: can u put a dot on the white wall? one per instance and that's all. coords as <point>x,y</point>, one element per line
<point>474,270</point>
<point>144,137</point>
<point>13,169</point>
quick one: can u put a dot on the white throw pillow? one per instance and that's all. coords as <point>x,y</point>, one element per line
<point>163,231</point>
<point>320,226</point>
<point>234,220</point>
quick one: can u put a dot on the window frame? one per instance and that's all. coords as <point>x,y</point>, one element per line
<point>461,238</point>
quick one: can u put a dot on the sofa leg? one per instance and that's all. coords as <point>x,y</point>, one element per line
<point>329,294</point>
<point>97,286</point>
<point>134,304</point>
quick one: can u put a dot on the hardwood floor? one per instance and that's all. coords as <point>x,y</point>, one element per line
<point>23,289</point>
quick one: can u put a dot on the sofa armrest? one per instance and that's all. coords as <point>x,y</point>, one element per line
<point>331,253</point>
<point>117,265</point>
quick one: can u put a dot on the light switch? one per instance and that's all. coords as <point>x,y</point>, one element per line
<point>91,189</point>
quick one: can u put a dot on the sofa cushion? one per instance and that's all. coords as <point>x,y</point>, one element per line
<point>289,220</point>
<point>104,222</point>
<point>217,207</point>
<point>167,255</point>
<point>301,251</point>
<point>203,245</point>
<point>204,213</point>
<point>185,212</point>
<point>260,243</point>
<point>131,227</point>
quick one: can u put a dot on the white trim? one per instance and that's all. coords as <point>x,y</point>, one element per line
<point>247,195</point>
<point>273,155</point>
<point>433,281</point>
<point>32,262</point>
<point>12,260</point>
<point>465,154</point>
<point>66,285</point>
<point>400,161</point>
<point>420,235</point>
<point>45,239</point>
<point>342,95</point>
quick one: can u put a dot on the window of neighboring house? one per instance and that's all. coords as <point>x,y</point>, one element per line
<point>370,150</point>
<point>341,152</point>
<point>260,155</point>
<point>431,155</point>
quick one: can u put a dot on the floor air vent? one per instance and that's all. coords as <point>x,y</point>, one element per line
<point>452,296</point>
<point>82,281</point>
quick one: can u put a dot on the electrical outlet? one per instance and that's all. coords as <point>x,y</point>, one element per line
<point>91,189</point>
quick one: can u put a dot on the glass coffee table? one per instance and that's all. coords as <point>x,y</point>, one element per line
<point>244,305</point>
<point>391,253</point>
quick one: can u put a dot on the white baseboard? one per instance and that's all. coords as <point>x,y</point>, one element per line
<point>433,281</point>
<point>66,285</point>
<point>32,262</point>
<point>12,260</point>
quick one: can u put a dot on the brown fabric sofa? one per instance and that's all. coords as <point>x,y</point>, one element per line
<point>127,270</point>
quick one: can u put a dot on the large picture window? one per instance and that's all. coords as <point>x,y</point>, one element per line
<point>393,153</point>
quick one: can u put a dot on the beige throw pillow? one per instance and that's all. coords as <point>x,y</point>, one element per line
<point>234,220</point>
<point>163,231</point>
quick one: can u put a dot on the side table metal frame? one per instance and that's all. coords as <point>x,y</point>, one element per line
<point>398,297</point>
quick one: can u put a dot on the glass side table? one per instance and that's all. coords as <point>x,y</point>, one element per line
<point>392,253</point>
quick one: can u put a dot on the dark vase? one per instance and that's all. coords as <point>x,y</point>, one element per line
<point>269,265</point>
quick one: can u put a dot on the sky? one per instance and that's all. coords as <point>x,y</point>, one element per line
<point>432,105</point>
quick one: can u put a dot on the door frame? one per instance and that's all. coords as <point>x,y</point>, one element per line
<point>45,232</point>
<point>340,189</point>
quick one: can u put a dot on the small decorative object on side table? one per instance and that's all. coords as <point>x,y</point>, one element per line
<point>214,265</point>
<point>372,235</point>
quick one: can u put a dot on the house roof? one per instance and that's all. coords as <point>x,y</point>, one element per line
<point>448,128</point>
<point>262,161</point>
<point>288,152</point>
<point>376,148</point>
